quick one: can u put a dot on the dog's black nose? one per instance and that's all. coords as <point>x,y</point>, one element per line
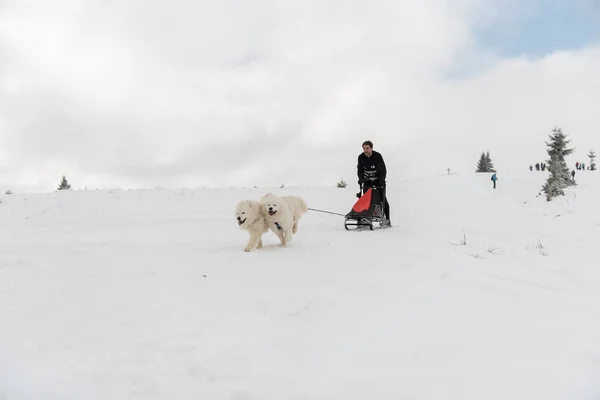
<point>270,208</point>
<point>238,218</point>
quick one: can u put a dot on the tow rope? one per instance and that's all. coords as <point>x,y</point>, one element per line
<point>327,212</point>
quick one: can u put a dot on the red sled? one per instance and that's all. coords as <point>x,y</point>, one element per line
<point>367,211</point>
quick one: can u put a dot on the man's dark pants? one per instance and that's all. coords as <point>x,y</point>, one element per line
<point>382,194</point>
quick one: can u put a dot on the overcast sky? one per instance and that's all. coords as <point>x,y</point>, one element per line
<point>147,93</point>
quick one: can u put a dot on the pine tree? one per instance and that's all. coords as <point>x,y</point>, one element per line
<point>64,184</point>
<point>592,157</point>
<point>559,177</point>
<point>489,162</point>
<point>485,163</point>
<point>481,165</point>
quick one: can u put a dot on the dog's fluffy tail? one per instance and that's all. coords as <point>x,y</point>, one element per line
<point>303,205</point>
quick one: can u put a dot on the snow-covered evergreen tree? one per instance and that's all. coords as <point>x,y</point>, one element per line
<point>592,157</point>
<point>482,164</point>
<point>559,177</point>
<point>490,164</point>
<point>485,163</point>
<point>64,184</point>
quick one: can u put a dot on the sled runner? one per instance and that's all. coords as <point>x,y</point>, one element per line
<point>367,211</point>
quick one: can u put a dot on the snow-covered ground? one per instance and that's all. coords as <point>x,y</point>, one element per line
<point>149,295</point>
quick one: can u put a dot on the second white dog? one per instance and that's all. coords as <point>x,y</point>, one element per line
<point>282,215</point>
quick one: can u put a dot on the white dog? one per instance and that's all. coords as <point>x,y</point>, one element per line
<point>251,219</point>
<point>282,214</point>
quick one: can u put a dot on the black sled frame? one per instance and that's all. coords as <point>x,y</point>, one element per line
<point>368,218</point>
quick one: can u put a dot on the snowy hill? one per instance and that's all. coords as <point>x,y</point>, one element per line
<point>149,295</point>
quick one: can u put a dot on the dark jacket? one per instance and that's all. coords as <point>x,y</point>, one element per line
<point>371,170</point>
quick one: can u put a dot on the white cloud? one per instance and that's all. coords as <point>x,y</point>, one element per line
<point>145,93</point>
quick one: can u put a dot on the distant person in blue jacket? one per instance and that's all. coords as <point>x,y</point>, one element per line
<point>494,179</point>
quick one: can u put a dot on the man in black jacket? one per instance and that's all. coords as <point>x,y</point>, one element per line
<point>371,172</point>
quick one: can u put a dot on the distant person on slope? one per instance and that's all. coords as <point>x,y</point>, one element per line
<point>371,172</point>
<point>494,179</point>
